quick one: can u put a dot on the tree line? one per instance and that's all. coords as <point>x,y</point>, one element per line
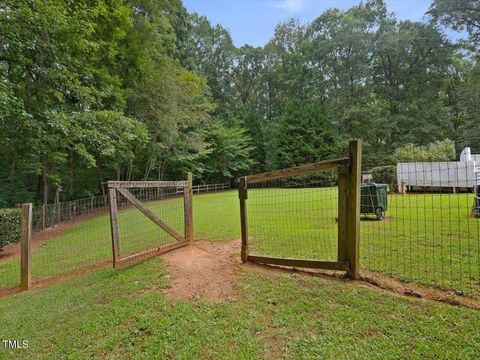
<point>142,90</point>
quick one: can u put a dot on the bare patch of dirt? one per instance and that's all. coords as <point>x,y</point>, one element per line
<point>414,290</point>
<point>204,269</point>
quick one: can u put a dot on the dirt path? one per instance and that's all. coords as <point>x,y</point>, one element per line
<point>204,269</point>
<point>209,270</point>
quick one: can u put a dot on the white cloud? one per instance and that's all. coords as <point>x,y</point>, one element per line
<point>289,5</point>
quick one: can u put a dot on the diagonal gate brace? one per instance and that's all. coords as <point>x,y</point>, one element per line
<point>150,214</point>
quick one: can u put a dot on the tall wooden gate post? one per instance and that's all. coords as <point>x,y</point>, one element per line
<point>352,244</point>
<point>243,196</point>
<point>114,225</point>
<point>25,245</point>
<point>188,208</point>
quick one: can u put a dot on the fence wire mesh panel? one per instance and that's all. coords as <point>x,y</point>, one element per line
<point>304,216</point>
<point>294,217</point>
<point>10,270</point>
<point>49,215</point>
<point>138,233</point>
<point>431,231</point>
<point>70,246</point>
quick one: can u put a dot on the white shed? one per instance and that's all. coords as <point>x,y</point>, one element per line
<point>449,174</point>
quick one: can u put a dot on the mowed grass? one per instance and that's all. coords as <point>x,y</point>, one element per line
<point>426,238</point>
<point>113,314</point>
<point>430,239</point>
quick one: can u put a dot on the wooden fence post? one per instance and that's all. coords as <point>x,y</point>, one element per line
<point>25,245</point>
<point>114,225</point>
<point>243,196</point>
<point>353,208</point>
<point>188,208</point>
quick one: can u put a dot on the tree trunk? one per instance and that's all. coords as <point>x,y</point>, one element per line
<point>45,187</point>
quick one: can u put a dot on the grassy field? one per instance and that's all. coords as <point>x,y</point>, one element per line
<point>429,239</point>
<point>123,313</point>
<point>113,314</point>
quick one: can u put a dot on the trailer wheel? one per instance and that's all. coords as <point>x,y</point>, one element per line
<point>379,213</point>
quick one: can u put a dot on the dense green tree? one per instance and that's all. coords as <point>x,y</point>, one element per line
<point>305,134</point>
<point>460,15</point>
<point>229,153</point>
<point>140,89</point>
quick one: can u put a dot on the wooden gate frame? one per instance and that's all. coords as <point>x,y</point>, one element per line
<point>349,178</point>
<point>181,240</point>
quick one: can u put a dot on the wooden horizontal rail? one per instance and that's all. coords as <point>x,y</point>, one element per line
<point>145,184</point>
<point>315,264</point>
<point>298,170</point>
<point>150,253</point>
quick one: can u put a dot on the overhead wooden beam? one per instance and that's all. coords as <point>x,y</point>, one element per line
<point>298,170</point>
<point>146,184</point>
<point>150,214</point>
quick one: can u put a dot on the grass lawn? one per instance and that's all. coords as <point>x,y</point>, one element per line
<point>428,239</point>
<point>124,314</point>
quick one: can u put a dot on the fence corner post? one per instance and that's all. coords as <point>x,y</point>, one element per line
<point>243,196</point>
<point>114,225</point>
<point>353,209</point>
<point>26,248</point>
<point>188,208</point>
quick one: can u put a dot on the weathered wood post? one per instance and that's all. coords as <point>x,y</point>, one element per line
<point>25,248</point>
<point>353,209</point>
<point>243,196</point>
<point>114,225</point>
<point>188,208</point>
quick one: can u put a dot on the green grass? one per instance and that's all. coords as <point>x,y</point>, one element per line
<point>124,314</point>
<point>429,239</point>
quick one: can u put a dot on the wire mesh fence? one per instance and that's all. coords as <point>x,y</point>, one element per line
<point>430,234</point>
<point>73,236</point>
<point>295,217</point>
<point>210,187</point>
<point>48,215</point>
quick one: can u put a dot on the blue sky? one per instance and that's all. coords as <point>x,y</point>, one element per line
<point>253,21</point>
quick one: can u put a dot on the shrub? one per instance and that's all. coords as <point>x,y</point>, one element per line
<point>10,226</point>
<point>386,175</point>
<point>438,151</point>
